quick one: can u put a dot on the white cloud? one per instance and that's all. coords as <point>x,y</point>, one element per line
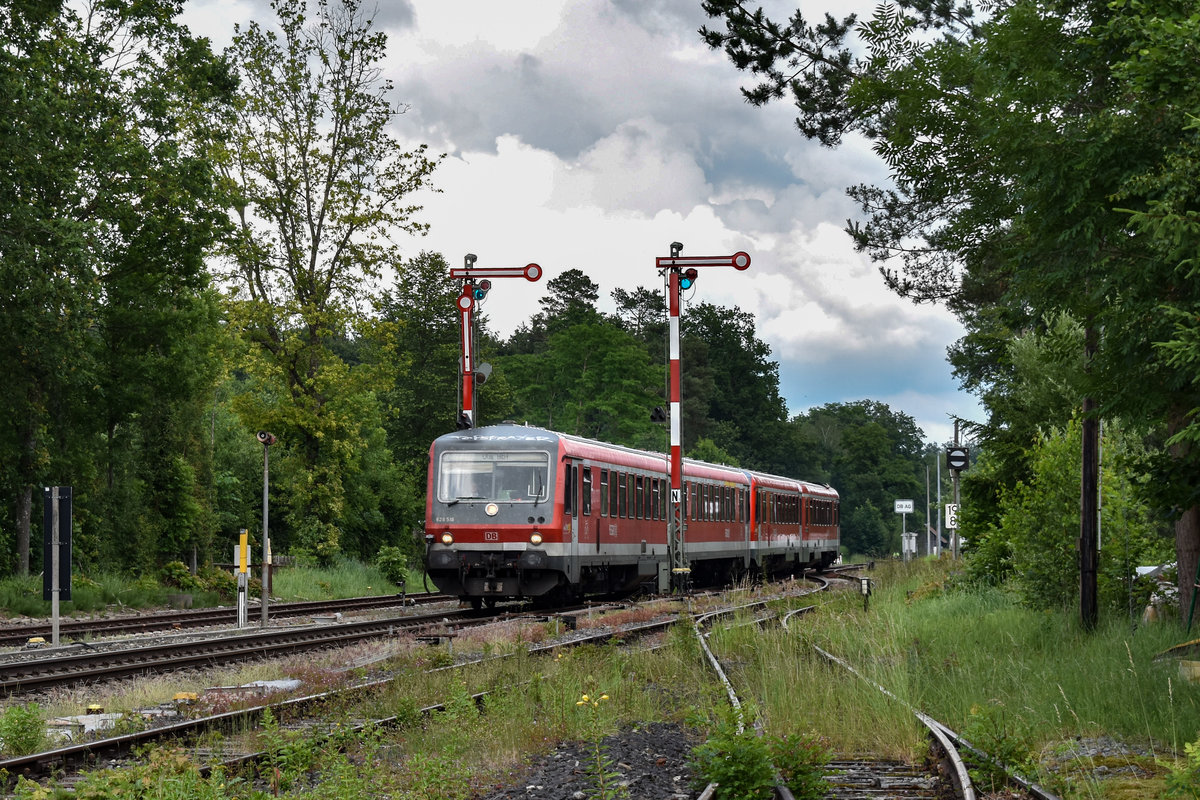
<point>592,135</point>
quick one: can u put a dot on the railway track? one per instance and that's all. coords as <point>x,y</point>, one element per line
<point>63,762</point>
<point>853,775</point>
<point>18,635</point>
<point>943,774</point>
<point>95,665</point>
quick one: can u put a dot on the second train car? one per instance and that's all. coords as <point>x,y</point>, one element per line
<point>519,512</point>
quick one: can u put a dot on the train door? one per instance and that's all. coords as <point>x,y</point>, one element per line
<point>571,521</point>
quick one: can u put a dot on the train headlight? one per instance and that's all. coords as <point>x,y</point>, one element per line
<point>535,538</point>
<point>447,537</point>
<point>491,509</point>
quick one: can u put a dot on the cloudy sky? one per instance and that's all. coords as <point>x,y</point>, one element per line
<point>590,134</point>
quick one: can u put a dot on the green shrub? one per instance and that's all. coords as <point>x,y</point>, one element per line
<point>393,564</point>
<point>1184,780</point>
<point>177,575</point>
<point>802,761</point>
<point>738,761</point>
<point>219,581</point>
<point>22,730</point>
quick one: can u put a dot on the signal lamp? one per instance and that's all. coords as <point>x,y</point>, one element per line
<point>688,278</point>
<point>482,288</point>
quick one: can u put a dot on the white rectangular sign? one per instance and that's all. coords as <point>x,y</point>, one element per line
<point>904,506</point>
<point>952,516</point>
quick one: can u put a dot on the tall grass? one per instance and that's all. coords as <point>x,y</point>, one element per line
<point>955,652</point>
<point>23,596</point>
<point>347,578</point>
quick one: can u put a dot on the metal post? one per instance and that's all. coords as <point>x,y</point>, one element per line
<point>938,546</point>
<point>55,589</point>
<point>928,549</point>
<point>466,309</point>
<point>671,267</point>
<point>265,537</point>
<point>243,556</point>
<point>677,525</point>
<point>954,476</point>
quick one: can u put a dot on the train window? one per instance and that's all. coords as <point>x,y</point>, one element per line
<point>639,493</point>
<point>604,493</point>
<point>569,490</point>
<point>586,500</point>
<point>629,487</point>
<point>485,475</point>
<point>614,480</point>
<point>622,495</point>
<point>655,500</point>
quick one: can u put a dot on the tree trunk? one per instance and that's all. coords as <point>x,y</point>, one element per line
<point>1187,527</point>
<point>1187,551</point>
<point>24,513</point>
<point>24,509</point>
<point>1089,499</point>
<point>1089,551</point>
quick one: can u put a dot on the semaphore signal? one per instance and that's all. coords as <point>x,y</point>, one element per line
<point>680,274</point>
<point>477,282</point>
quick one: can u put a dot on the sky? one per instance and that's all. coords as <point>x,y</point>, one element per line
<point>591,134</point>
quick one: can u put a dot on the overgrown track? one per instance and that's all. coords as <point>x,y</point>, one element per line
<point>16,635</point>
<point>59,670</point>
<point>943,775</point>
<point>98,753</point>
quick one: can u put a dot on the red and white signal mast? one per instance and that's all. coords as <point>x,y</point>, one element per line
<point>680,273</point>
<point>477,281</point>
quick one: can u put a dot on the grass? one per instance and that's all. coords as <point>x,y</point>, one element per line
<point>1022,683</point>
<point>116,592</point>
<point>346,579</point>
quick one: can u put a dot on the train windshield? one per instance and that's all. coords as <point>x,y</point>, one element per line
<point>514,477</point>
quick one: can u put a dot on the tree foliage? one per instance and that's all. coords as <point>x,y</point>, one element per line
<point>1041,163</point>
<point>108,204</point>
<point>319,185</point>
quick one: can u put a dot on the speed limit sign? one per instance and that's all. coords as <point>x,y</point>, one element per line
<point>952,515</point>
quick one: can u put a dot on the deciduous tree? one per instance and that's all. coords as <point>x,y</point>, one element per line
<point>320,186</point>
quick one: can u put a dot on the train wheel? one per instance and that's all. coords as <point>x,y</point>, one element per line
<point>490,602</point>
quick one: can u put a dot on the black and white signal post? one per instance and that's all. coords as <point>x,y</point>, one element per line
<point>957,459</point>
<point>680,272</point>
<point>477,281</point>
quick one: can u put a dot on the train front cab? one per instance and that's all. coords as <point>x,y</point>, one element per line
<point>493,526</point>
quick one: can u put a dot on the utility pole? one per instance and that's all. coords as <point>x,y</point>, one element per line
<point>267,440</point>
<point>928,544</point>
<point>938,547</point>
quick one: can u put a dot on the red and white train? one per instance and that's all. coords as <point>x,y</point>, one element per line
<point>522,512</point>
